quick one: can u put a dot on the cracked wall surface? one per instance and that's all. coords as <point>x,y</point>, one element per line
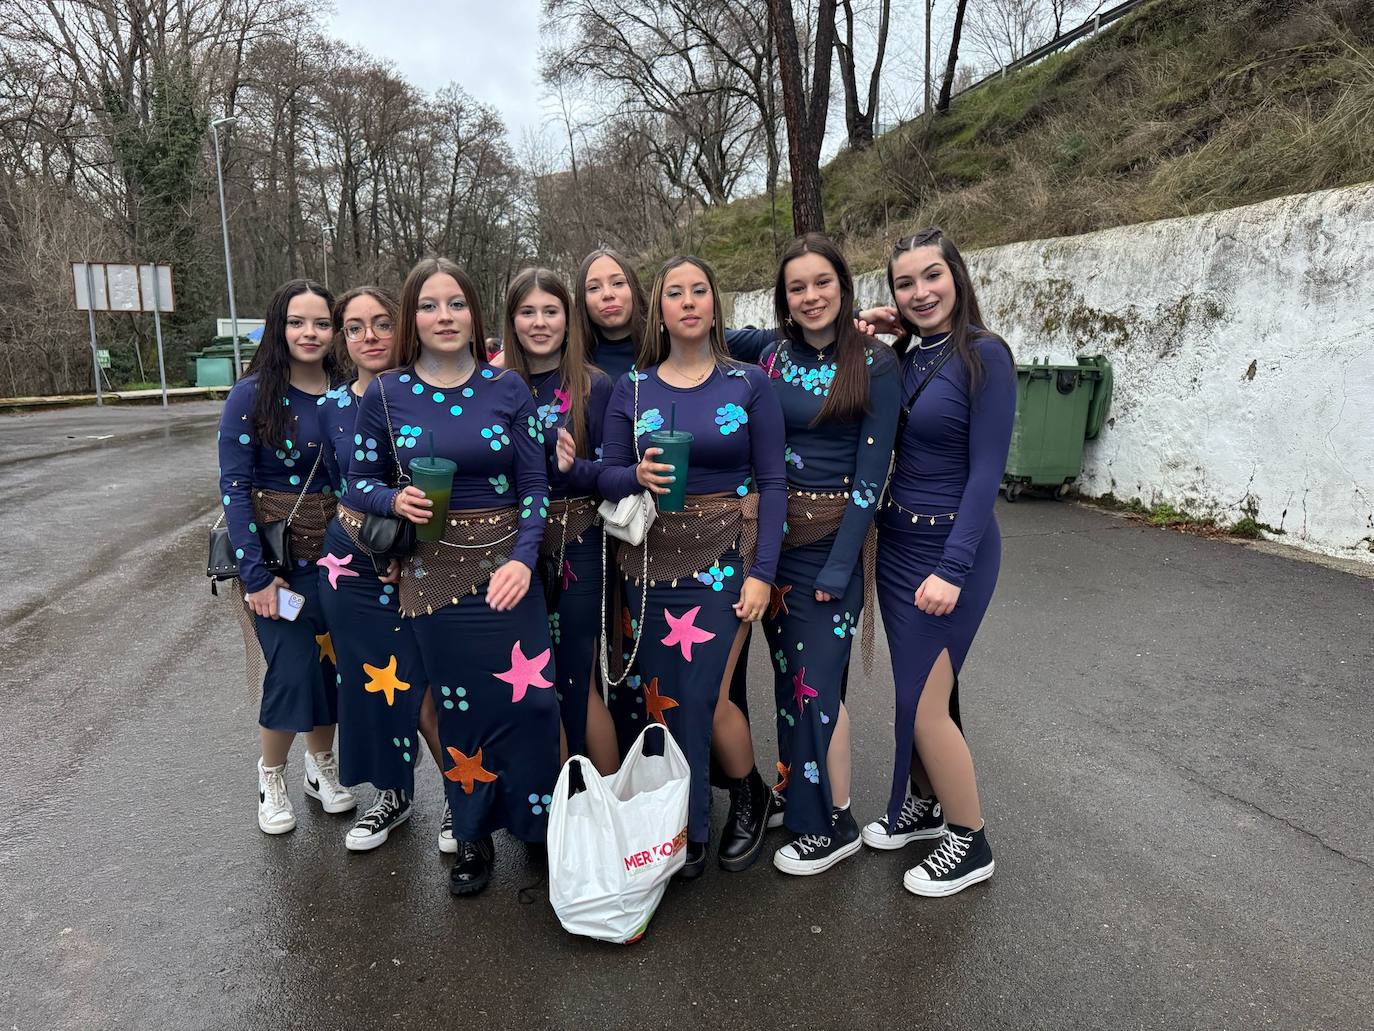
<point>1243,347</point>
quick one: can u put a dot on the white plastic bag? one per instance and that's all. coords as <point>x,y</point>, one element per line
<point>614,847</point>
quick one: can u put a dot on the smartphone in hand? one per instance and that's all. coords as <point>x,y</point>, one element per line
<point>289,604</point>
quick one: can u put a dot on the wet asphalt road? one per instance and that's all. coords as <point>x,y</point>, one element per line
<point>1173,739</point>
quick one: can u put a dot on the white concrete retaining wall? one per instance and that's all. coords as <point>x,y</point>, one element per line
<point>1243,346</point>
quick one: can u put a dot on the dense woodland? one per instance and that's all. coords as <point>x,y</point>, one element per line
<point>659,116</point>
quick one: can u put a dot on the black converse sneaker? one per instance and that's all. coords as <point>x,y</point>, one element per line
<point>777,804</point>
<point>389,810</point>
<point>919,820</point>
<point>961,859</point>
<point>816,853</point>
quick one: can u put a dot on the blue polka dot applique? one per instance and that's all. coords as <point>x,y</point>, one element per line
<point>455,410</point>
<point>252,527</point>
<point>468,391</point>
<point>226,499</point>
<point>405,377</point>
<point>245,438</point>
<point>487,373</point>
<point>419,388</point>
<point>730,417</point>
<point>438,396</point>
<point>238,553</point>
<point>295,481</point>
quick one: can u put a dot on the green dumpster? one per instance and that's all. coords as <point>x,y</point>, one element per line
<point>214,366</point>
<point>1058,407</point>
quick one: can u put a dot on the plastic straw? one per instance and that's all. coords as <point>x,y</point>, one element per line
<point>431,447</point>
<point>672,418</point>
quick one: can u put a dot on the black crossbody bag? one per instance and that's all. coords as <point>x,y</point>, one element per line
<point>388,536</point>
<point>911,401</point>
<point>274,538</point>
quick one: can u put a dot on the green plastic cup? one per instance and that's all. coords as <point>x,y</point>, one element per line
<point>676,445</point>
<point>434,476</point>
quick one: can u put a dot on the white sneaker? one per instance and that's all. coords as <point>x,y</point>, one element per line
<point>390,809</point>
<point>322,782</point>
<point>275,815</point>
<point>447,842</point>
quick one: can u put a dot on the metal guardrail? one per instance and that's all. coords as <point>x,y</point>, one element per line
<point>1091,27</point>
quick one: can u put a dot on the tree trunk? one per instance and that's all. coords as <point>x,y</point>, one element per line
<point>805,115</point>
<point>942,105</point>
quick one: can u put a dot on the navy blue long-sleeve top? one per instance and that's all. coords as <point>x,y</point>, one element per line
<point>247,463</point>
<point>339,410</point>
<point>737,430</point>
<point>616,357</point>
<point>851,457</point>
<point>487,426</point>
<point>954,448</point>
<point>551,409</point>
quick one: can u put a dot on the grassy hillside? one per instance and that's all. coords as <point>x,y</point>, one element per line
<point>1181,108</point>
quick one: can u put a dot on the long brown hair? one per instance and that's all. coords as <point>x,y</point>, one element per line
<point>580,324</point>
<point>654,346</point>
<point>847,399</point>
<point>407,338</point>
<point>573,370</point>
<point>272,362</point>
<point>966,323</point>
<point>389,305</point>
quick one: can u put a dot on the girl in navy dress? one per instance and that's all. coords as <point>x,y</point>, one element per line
<point>709,568</point>
<point>275,463</point>
<point>939,552</point>
<point>570,397</point>
<point>838,391</point>
<point>378,739</point>
<point>476,609</point>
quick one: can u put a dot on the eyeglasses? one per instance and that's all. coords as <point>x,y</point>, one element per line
<point>382,328</point>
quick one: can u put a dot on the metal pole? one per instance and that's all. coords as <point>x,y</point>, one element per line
<point>157,326</point>
<point>90,317</point>
<point>224,224</point>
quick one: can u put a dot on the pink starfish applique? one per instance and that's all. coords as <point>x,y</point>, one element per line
<point>335,566</point>
<point>684,632</point>
<point>568,575</point>
<point>564,402</point>
<point>524,673</point>
<point>801,690</point>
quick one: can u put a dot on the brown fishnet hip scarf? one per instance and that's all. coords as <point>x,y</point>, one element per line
<point>569,519</point>
<point>476,542</point>
<point>683,544</point>
<point>813,516</point>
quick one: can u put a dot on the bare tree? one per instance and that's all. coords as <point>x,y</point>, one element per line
<point>947,83</point>
<point>859,121</point>
<point>804,110</point>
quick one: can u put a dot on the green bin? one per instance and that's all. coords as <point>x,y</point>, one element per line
<point>1058,407</point>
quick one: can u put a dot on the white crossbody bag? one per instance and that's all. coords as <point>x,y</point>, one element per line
<point>629,518</point>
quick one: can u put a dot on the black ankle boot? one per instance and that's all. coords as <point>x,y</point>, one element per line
<point>472,868</point>
<point>696,862</point>
<point>742,839</point>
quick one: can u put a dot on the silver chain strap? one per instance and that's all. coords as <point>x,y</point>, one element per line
<point>644,578</point>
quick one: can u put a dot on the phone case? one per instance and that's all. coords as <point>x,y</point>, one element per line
<point>289,604</point>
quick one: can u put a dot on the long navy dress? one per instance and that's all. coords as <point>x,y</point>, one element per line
<point>688,625</point>
<point>298,691</point>
<point>575,616</point>
<point>379,742</point>
<point>491,673</point>
<point>810,640</point>
<point>939,519</point>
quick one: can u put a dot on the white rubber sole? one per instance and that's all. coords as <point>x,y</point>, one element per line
<point>939,889</point>
<point>448,844</point>
<point>806,868</point>
<point>276,828</point>
<point>334,807</point>
<point>360,843</point>
<point>875,837</point>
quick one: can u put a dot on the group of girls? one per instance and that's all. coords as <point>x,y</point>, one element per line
<point>490,644</point>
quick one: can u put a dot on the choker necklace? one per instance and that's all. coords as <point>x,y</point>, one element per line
<point>934,344</point>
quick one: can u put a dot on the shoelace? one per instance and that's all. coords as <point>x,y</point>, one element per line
<point>913,810</point>
<point>809,843</point>
<point>950,853</point>
<point>275,784</point>
<point>388,802</point>
<point>327,766</point>
<point>447,824</point>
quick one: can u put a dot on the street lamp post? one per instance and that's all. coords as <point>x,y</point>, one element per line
<point>324,252</point>
<point>224,223</point>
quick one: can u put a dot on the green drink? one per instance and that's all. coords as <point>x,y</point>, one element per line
<point>675,444</point>
<point>434,476</point>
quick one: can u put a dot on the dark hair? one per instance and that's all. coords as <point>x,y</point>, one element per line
<point>580,325</point>
<point>654,346</point>
<point>966,323</point>
<point>382,297</point>
<point>272,363</point>
<point>848,394</point>
<point>407,338</point>
<point>573,370</point>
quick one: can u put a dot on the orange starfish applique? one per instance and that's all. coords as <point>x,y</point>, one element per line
<point>777,600</point>
<point>467,769</point>
<point>784,778</point>
<point>655,703</point>
<point>383,679</point>
<point>326,645</point>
